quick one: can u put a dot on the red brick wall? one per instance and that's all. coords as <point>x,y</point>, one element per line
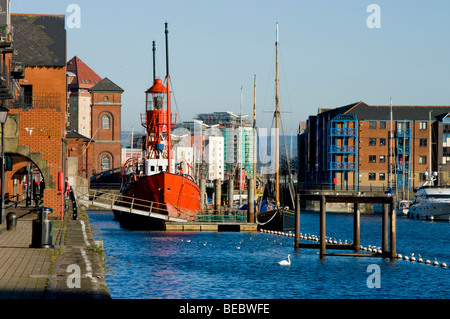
<point>107,141</point>
<point>42,130</point>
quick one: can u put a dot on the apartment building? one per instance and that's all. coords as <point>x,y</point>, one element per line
<point>374,147</point>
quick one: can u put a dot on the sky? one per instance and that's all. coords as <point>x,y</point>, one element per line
<point>332,53</point>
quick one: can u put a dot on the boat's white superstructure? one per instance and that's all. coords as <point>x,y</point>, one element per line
<point>431,203</point>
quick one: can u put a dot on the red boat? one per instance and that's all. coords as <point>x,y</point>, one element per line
<point>158,181</point>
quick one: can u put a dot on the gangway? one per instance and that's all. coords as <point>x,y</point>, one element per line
<point>117,202</point>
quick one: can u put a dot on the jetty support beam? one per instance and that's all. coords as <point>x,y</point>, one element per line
<point>297,223</point>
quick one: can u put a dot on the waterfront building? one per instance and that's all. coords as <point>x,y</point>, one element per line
<point>214,157</point>
<point>358,147</point>
<point>34,90</point>
<point>80,78</point>
<point>106,103</point>
<point>224,119</point>
<point>238,142</point>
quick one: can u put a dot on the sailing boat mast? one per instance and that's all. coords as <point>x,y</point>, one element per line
<point>169,114</point>
<point>240,153</point>
<point>390,146</point>
<point>277,115</point>
<point>254,129</point>
<point>154,60</point>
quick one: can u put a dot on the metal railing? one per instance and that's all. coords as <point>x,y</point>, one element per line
<point>232,216</point>
<point>118,202</point>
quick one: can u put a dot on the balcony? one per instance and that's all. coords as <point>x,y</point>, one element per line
<point>5,36</point>
<point>17,70</point>
<point>342,149</point>
<point>343,131</point>
<point>38,100</point>
<point>403,132</point>
<point>343,166</point>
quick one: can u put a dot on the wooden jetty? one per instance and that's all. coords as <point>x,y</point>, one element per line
<point>212,226</point>
<point>388,218</point>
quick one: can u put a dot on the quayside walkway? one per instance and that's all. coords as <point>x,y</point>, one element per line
<point>44,273</point>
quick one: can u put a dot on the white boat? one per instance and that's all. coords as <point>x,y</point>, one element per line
<point>431,203</point>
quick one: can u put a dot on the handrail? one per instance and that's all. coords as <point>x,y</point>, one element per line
<point>113,201</point>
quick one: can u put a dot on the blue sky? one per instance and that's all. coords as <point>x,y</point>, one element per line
<point>328,55</point>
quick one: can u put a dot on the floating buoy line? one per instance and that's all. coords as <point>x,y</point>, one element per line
<point>369,248</point>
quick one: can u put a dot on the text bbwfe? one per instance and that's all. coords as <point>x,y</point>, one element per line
<point>234,308</point>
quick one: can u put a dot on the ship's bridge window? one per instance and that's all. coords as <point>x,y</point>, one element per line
<point>152,168</point>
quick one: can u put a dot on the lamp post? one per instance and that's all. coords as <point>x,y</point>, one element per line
<point>3,116</point>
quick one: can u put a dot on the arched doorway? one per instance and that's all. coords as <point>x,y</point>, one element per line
<point>24,181</point>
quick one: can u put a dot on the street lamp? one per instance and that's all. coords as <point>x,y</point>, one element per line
<point>3,116</point>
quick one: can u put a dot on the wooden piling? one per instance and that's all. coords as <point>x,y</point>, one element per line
<point>203,195</point>
<point>356,200</point>
<point>230,193</point>
<point>393,251</point>
<point>356,227</point>
<point>217,194</point>
<point>385,227</point>
<point>323,217</point>
<point>297,223</point>
<point>251,201</point>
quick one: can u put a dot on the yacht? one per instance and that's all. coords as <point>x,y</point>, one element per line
<point>431,202</point>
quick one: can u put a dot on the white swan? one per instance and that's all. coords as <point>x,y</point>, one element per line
<point>285,262</point>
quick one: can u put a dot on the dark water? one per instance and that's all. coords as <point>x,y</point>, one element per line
<point>199,265</point>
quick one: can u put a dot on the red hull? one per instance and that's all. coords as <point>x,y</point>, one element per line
<point>172,194</point>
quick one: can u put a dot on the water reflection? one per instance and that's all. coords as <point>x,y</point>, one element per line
<point>245,265</point>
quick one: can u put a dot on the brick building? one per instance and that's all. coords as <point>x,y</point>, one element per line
<point>106,103</point>
<point>350,147</point>
<point>35,126</point>
<point>80,79</point>
<point>94,120</point>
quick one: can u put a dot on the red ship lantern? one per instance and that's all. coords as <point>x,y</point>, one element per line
<point>159,122</point>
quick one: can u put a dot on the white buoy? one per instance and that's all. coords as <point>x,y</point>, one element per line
<point>444,265</point>
<point>427,262</point>
<point>412,257</point>
<point>435,262</point>
<point>399,256</point>
<point>405,257</point>
<point>419,260</point>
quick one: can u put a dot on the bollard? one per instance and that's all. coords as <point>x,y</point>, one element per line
<point>11,221</point>
<point>42,231</point>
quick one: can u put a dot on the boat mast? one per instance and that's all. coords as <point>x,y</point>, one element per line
<point>240,152</point>
<point>429,148</point>
<point>254,129</point>
<point>154,60</point>
<point>277,115</point>
<point>390,147</point>
<point>169,114</point>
